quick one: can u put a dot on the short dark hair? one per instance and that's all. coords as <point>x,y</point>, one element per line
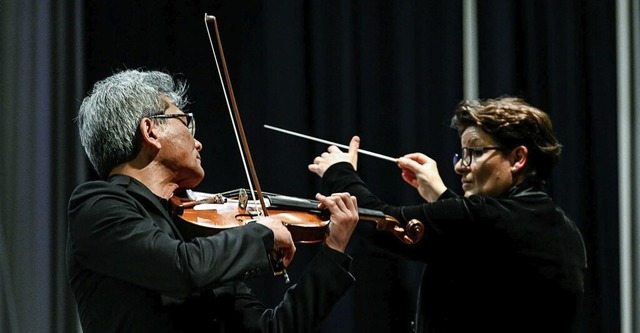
<point>513,122</point>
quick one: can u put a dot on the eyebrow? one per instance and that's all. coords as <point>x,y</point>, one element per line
<point>473,141</point>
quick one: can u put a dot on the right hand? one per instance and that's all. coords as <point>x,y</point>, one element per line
<point>421,172</point>
<point>283,242</point>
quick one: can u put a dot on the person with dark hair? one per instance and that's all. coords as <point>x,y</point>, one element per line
<point>502,258</point>
<point>129,267</point>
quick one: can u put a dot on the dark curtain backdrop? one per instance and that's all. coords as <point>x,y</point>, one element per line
<point>40,161</point>
<point>391,72</point>
<point>560,55</point>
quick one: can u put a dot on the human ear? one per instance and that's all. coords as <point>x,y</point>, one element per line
<point>149,132</point>
<point>519,158</point>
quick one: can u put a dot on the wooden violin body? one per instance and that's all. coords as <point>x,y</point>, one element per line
<point>307,223</point>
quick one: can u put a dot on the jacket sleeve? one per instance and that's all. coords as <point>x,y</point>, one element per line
<point>325,280</point>
<point>440,218</point>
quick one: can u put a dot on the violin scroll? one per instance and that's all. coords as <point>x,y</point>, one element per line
<point>410,234</point>
<point>414,231</point>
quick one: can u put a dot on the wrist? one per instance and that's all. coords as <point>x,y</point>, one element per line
<point>337,246</point>
<point>434,192</point>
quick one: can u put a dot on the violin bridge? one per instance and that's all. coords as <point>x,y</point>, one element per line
<point>243,199</point>
<point>253,208</point>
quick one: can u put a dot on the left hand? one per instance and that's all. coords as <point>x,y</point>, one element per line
<point>334,155</point>
<point>344,218</point>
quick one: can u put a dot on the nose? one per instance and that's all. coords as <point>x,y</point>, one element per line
<point>459,168</point>
<point>198,145</point>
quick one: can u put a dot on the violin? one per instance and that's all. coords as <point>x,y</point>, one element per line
<point>205,214</point>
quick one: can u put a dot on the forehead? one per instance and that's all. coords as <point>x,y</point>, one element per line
<point>171,107</point>
<point>475,136</point>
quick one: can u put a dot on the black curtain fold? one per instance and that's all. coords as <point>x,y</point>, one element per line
<point>560,56</point>
<point>41,162</point>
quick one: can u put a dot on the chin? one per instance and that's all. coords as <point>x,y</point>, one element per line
<point>467,190</point>
<point>191,182</point>
<point>470,192</point>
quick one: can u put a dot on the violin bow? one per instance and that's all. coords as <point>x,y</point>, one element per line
<point>238,129</point>
<point>243,146</point>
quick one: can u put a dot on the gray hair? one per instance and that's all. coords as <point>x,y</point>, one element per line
<point>109,117</point>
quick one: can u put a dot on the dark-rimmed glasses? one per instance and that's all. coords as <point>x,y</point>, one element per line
<point>190,120</point>
<point>467,153</point>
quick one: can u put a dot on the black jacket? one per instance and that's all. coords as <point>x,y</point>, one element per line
<point>509,264</point>
<point>131,271</point>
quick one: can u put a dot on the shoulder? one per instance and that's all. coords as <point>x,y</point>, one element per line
<point>93,188</point>
<point>114,186</point>
<point>483,211</point>
<point>102,196</point>
<point>516,197</point>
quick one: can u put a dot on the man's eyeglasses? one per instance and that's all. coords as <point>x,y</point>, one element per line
<point>467,153</point>
<point>190,120</point>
